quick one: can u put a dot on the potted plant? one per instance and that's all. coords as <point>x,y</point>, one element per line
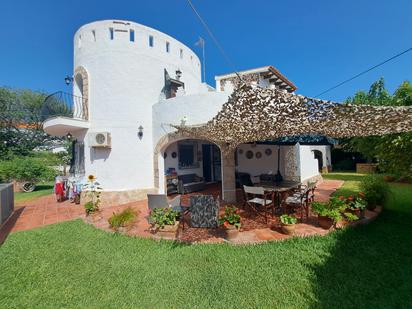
<point>329,214</point>
<point>92,192</point>
<point>164,222</point>
<point>230,221</point>
<point>288,224</point>
<point>124,220</point>
<point>355,204</point>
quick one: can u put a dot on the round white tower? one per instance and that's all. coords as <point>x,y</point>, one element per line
<point>120,68</point>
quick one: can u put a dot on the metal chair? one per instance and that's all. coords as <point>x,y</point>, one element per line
<point>299,200</point>
<point>259,201</point>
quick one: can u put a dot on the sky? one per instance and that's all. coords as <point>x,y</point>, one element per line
<point>315,44</point>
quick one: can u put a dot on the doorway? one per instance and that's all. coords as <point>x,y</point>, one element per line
<point>319,156</point>
<point>212,165</point>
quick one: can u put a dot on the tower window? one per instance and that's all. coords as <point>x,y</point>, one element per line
<point>151,40</point>
<point>94,35</point>
<point>131,35</point>
<point>167,47</point>
<point>111,30</point>
<point>181,53</point>
<point>79,42</point>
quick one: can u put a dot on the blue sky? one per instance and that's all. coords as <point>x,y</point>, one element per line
<point>316,44</point>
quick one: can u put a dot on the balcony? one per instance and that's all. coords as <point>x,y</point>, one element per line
<point>64,113</point>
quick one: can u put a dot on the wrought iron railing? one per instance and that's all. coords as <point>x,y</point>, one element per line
<point>66,105</point>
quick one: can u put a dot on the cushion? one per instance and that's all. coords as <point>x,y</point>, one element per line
<point>260,201</point>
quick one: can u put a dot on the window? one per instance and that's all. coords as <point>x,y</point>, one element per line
<point>111,31</point>
<point>181,53</point>
<point>94,35</point>
<point>131,35</point>
<point>151,40</point>
<point>79,42</point>
<point>188,155</point>
<point>167,47</point>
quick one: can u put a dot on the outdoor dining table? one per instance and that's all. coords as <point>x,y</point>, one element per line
<point>279,189</point>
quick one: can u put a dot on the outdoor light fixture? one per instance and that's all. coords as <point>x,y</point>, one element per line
<point>69,136</point>
<point>178,74</point>
<point>140,132</point>
<point>68,80</point>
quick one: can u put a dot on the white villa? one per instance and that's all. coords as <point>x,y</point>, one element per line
<point>130,82</point>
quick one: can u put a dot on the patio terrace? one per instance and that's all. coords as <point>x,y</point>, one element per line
<point>46,210</point>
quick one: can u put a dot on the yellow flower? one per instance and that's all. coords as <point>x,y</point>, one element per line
<point>91,177</point>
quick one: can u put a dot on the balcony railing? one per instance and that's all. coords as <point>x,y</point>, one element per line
<point>66,105</point>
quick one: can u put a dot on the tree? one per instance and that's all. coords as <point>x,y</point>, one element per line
<point>21,122</point>
<point>392,151</point>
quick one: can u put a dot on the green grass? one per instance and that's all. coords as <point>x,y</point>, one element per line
<point>75,265</point>
<point>41,190</point>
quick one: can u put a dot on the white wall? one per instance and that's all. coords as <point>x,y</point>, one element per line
<point>265,165</point>
<point>198,109</point>
<point>171,162</point>
<point>125,80</point>
<point>326,155</point>
<point>308,163</point>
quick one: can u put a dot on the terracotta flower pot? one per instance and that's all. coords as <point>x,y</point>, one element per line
<point>325,222</point>
<point>231,231</point>
<point>288,229</point>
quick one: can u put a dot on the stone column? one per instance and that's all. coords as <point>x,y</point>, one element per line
<point>228,176</point>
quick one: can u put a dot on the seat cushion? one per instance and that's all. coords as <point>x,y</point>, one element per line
<point>260,201</point>
<point>294,200</point>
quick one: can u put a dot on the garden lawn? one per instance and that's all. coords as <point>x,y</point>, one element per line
<point>41,190</point>
<point>72,264</point>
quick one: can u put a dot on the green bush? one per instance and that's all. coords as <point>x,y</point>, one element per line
<point>375,189</point>
<point>123,218</point>
<point>26,169</point>
<point>335,209</point>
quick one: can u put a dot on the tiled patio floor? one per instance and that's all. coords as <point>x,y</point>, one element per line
<point>46,210</point>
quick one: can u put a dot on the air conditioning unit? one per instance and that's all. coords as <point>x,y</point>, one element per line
<point>100,139</point>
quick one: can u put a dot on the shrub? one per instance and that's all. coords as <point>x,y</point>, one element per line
<point>286,219</point>
<point>163,216</point>
<point>26,169</point>
<point>335,209</point>
<point>375,189</point>
<point>123,218</point>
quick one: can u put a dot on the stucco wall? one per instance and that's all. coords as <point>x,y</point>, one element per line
<point>264,165</point>
<point>197,108</point>
<point>326,155</point>
<point>308,163</point>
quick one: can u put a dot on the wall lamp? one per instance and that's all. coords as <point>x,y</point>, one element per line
<point>140,132</point>
<point>69,136</point>
<point>68,80</point>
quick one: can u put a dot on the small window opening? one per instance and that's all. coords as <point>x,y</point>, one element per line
<point>167,47</point>
<point>181,53</point>
<point>94,35</point>
<point>111,30</point>
<point>131,35</point>
<point>151,40</point>
<point>79,42</point>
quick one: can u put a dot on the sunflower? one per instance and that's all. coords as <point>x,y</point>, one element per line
<point>91,177</point>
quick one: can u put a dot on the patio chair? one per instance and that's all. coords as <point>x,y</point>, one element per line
<point>299,200</point>
<point>259,201</point>
<point>204,211</point>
